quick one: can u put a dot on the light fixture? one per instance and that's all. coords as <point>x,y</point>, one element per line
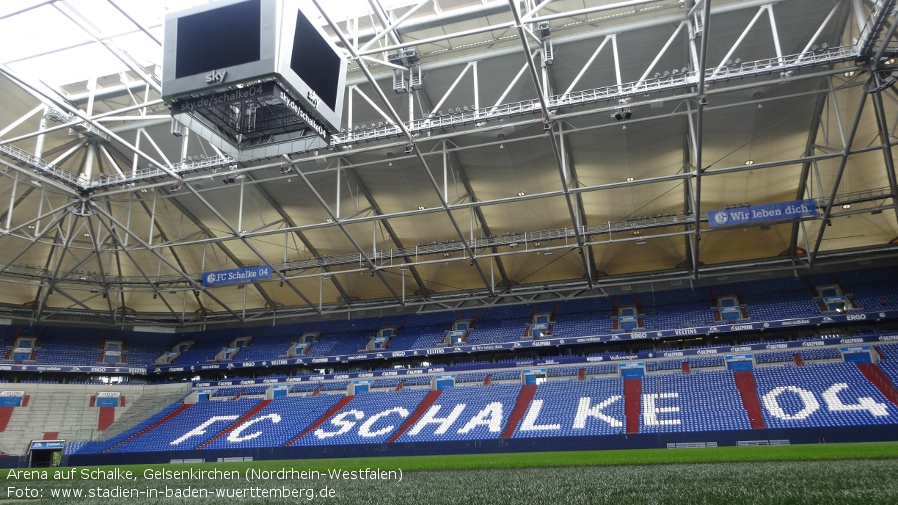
<point>618,115</point>
<point>144,190</point>
<point>229,179</point>
<point>846,205</point>
<point>749,162</point>
<point>537,244</point>
<point>636,232</point>
<point>285,168</point>
<point>85,235</point>
<point>175,186</point>
<point>445,254</point>
<point>630,179</point>
<point>421,207</point>
<point>30,226</point>
<point>521,193</point>
<point>850,73</point>
<point>329,220</point>
<point>155,296</point>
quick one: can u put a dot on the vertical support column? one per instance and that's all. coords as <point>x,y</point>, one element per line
<point>12,200</point>
<point>445,173</point>
<point>476,90</point>
<point>89,158</point>
<point>185,141</point>
<point>402,270</point>
<point>775,32</point>
<point>339,173</point>
<point>349,109</point>
<point>617,75</point>
<point>136,157</point>
<point>39,142</point>
<point>240,209</point>
<point>153,220</point>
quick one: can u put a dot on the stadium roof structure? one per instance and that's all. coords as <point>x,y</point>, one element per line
<point>491,152</point>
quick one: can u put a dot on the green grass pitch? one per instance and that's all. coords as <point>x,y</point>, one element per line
<point>801,474</point>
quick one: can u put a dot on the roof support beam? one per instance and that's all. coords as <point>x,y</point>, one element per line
<point>408,135</point>
<point>45,97</point>
<point>193,283</point>
<point>394,237</point>
<point>300,235</point>
<point>846,149</point>
<point>699,117</point>
<point>450,159</point>
<point>242,237</point>
<point>177,257</point>
<point>884,137</point>
<point>364,256</point>
<point>816,123</point>
<point>67,240</point>
<point>556,148</point>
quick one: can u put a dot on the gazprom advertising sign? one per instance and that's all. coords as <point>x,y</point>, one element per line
<point>751,214</point>
<point>250,274</point>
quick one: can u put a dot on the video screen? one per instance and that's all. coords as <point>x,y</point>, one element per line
<point>219,38</point>
<point>315,62</point>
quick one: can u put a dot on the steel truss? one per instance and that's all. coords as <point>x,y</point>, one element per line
<point>87,209</point>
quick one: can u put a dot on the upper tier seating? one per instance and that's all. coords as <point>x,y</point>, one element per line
<point>765,299</point>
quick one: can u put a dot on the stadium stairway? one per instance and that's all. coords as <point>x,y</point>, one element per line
<point>520,408</point>
<point>875,375</point>
<point>412,419</point>
<point>253,411</point>
<point>5,415</point>
<point>105,418</point>
<point>155,425</point>
<point>632,403</point>
<point>748,390</point>
<point>327,415</point>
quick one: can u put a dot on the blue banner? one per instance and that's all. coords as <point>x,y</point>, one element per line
<point>249,274</point>
<point>751,214</point>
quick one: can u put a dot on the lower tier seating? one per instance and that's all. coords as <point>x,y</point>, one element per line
<point>811,396</point>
